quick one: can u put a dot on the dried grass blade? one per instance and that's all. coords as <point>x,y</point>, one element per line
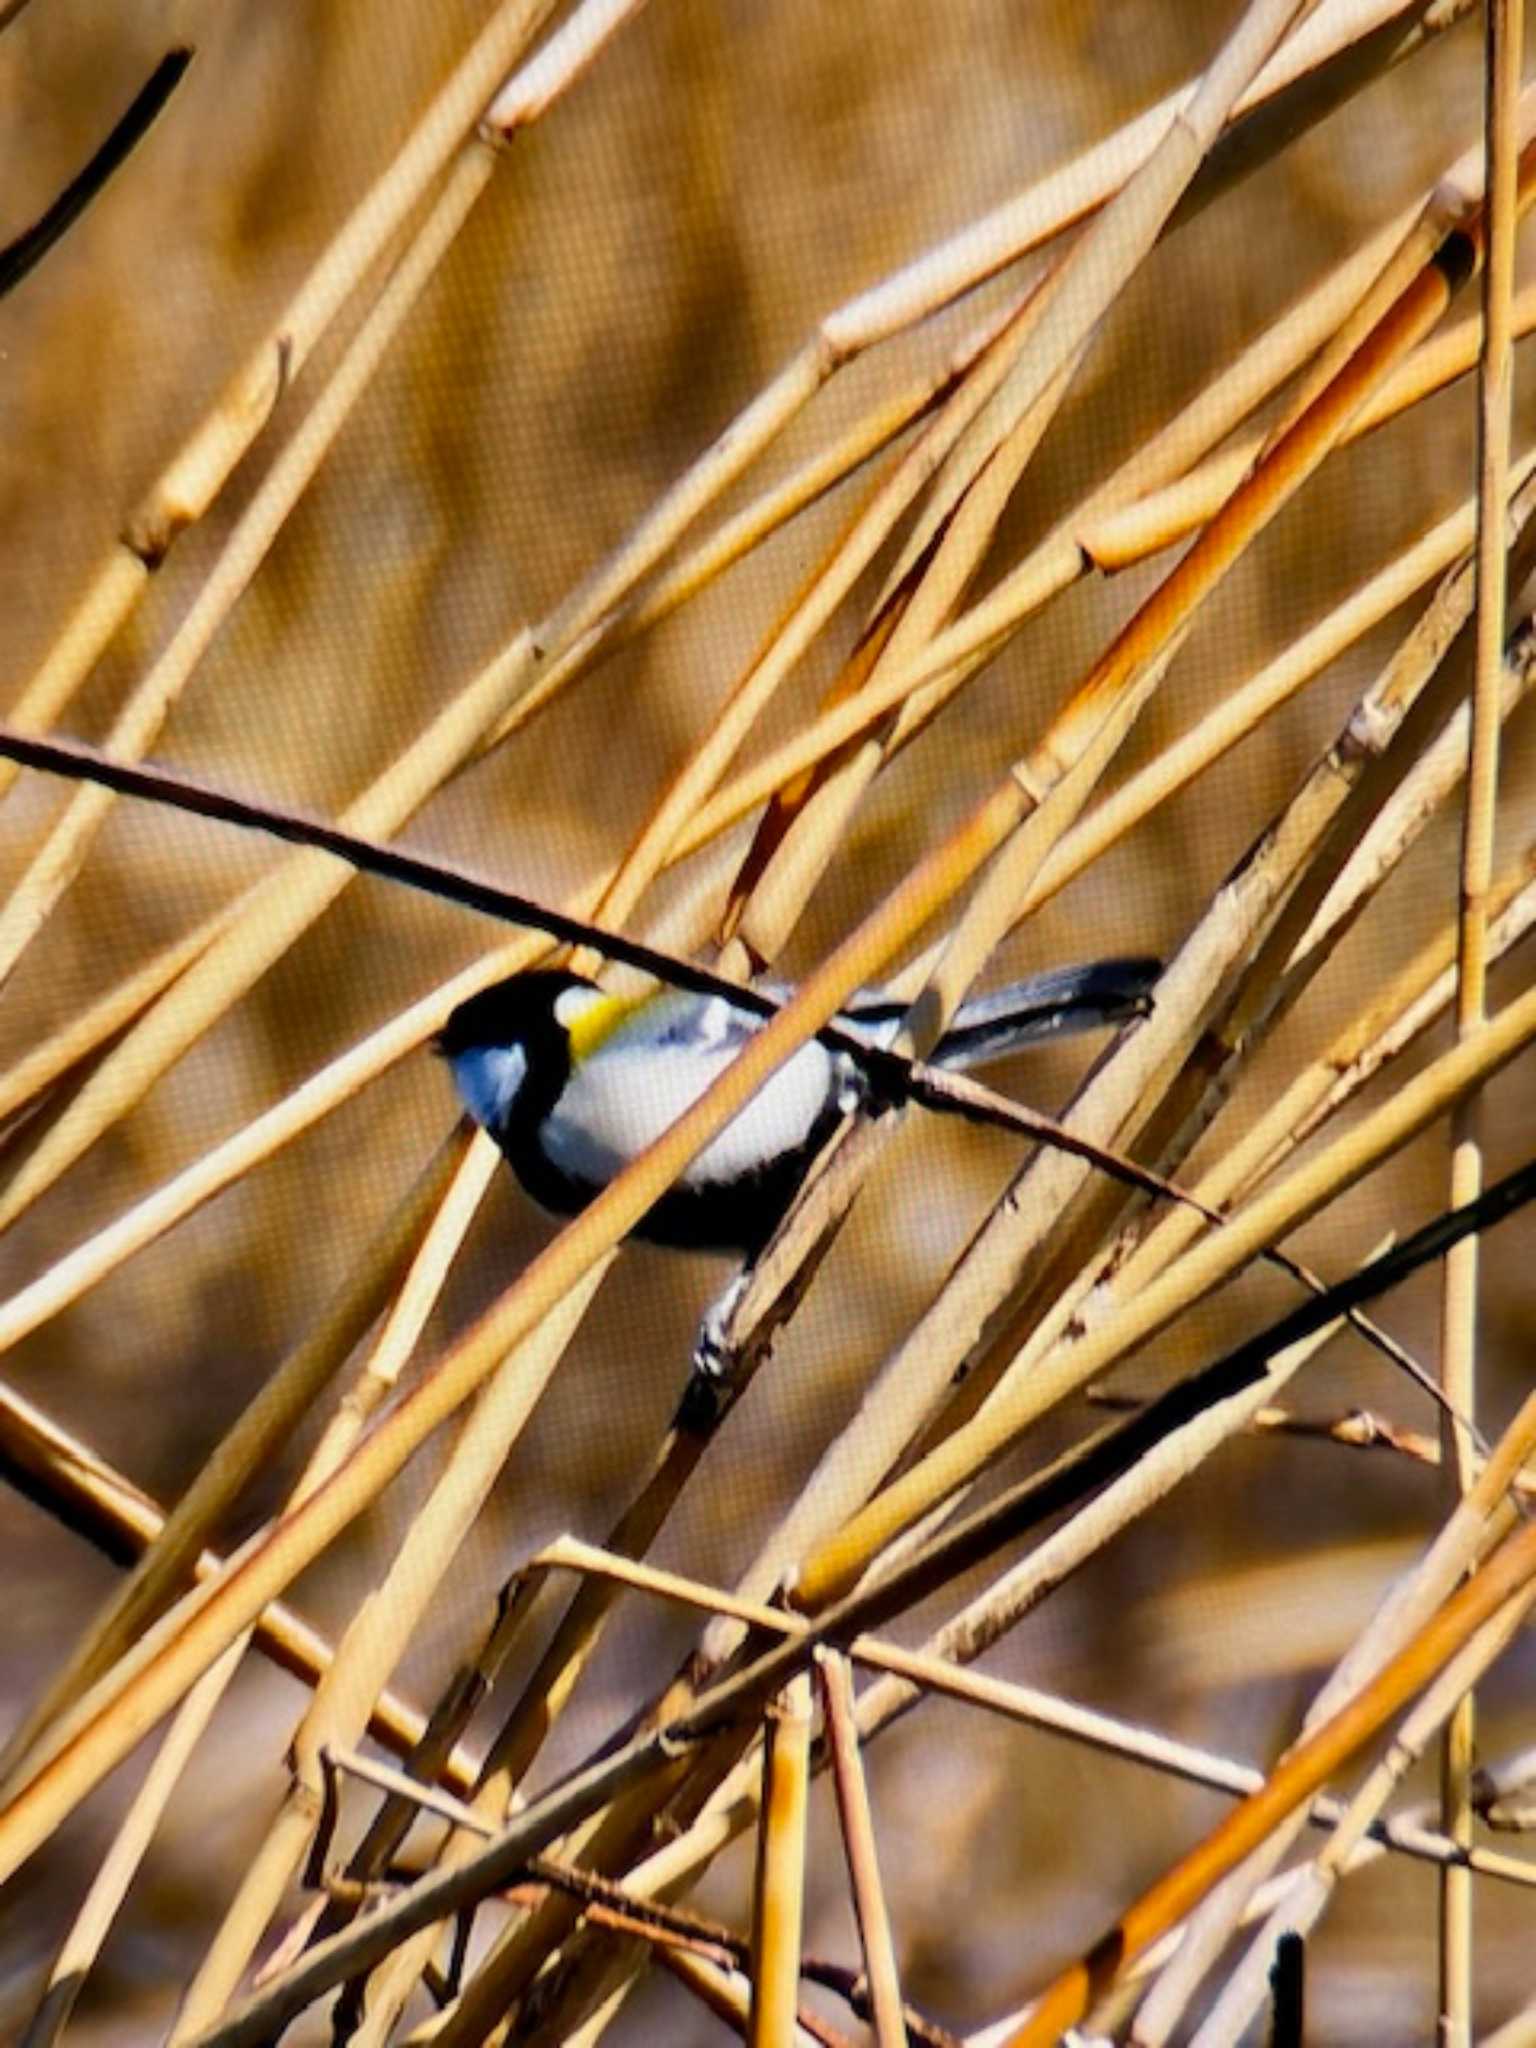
<point>778,1905</point>
<point>859,1847</point>
<point>195,475</point>
<point>1504,54</point>
<point>1306,1767</point>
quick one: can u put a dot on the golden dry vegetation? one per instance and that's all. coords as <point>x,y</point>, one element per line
<point>576,317</point>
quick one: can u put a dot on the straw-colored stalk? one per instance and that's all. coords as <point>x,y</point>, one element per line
<point>1309,1764</point>
<point>858,1827</point>
<point>185,489</point>
<point>1504,60</point>
<point>778,1905</point>
<point>383,1624</point>
<point>298,893</point>
<point>1481,1515</point>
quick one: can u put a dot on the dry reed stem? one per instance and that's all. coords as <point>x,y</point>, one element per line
<point>752,695</point>
<point>857,326</point>
<point>27,1084</point>
<point>1249,703</point>
<point>834,463</point>
<point>569,52</point>
<point>810,613</point>
<point>979,474</point>
<point>253,1439</point>
<point>1180,506</point>
<point>140,719</point>
<point>1512,921</point>
<point>392,1983</point>
<point>1109,252</point>
<point>1289,857</point>
<point>956,266</point>
<point>1204,1266</point>
<point>547,1690</point>
<point>800,832</point>
<point>985,1620</point>
<point>906,1389</point>
<point>1419,793</point>
<point>1107,540</point>
<point>941,1666</point>
<point>197,1710</point>
<point>1130,1264</point>
<point>583,1796</point>
<point>1409,1003</point>
<point>1243,1994</point>
<point>1175,766</point>
<point>778,1904</point>
<point>905,1676</point>
<point>198,471</point>
<point>1504,36</point>
<point>131,1842</point>
<point>879,1950</point>
<point>1078,188</point>
<point>382,1625</point>
<point>1482,1513</point>
<point>235,1940</point>
<point>607,1838</point>
<point>920,289</point>
<point>72,1482</point>
<point>1306,1766</point>
<point>1121,536</point>
<point>1306,818</point>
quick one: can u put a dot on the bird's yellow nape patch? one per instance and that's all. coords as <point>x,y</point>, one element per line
<point>591,1016</point>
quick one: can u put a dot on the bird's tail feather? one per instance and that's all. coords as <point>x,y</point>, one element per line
<point>1050,1005</point>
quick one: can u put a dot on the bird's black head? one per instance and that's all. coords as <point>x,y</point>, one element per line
<point>509,1048</point>
<point>518,1011</point>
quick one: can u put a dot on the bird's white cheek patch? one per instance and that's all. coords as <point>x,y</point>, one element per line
<point>572,1003</point>
<point>488,1079</point>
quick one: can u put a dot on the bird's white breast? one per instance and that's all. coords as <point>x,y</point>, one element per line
<point>627,1094</point>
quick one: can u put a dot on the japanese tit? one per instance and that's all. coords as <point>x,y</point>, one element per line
<point>572,1083</point>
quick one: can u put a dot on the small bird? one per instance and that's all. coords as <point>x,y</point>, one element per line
<point>573,1083</point>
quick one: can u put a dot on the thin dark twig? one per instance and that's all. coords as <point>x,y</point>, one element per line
<point>1092,1465</point>
<point>895,1078</point>
<point>1287,1979</point>
<point>568,1803</point>
<point>29,248</point>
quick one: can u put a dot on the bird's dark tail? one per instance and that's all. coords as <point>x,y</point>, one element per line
<point>1066,999</point>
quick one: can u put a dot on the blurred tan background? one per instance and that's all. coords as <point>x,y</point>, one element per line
<point>644,261</point>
